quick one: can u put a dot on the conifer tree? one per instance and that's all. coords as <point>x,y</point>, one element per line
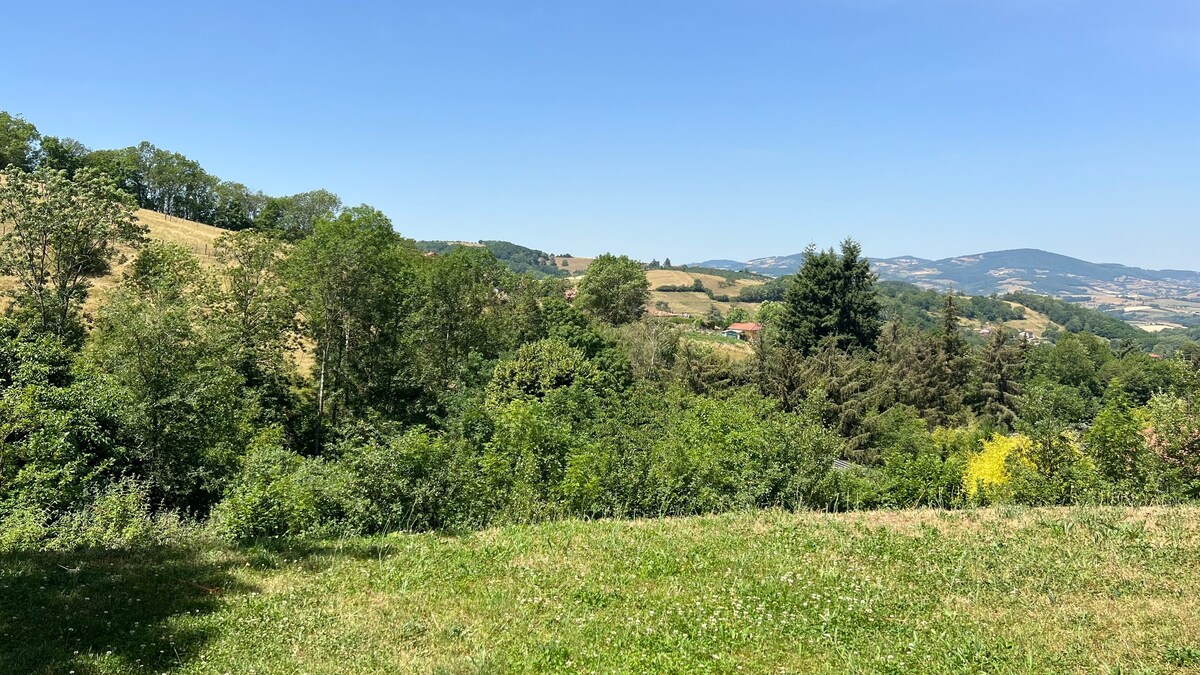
<point>952,368</point>
<point>832,296</point>
<point>1000,368</point>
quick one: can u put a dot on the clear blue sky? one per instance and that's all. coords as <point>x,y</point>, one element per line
<point>691,129</point>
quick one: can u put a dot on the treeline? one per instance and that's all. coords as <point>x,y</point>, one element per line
<point>165,181</point>
<point>347,383</point>
<point>697,286</point>
<point>520,259</point>
<point>1076,319</point>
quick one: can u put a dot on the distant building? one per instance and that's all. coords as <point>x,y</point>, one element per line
<point>1026,335</point>
<point>744,331</point>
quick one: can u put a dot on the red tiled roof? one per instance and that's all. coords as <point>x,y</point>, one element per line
<point>745,326</point>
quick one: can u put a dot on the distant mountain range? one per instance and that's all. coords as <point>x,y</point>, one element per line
<point>1024,269</point>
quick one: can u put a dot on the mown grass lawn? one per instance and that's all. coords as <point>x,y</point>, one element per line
<point>999,590</point>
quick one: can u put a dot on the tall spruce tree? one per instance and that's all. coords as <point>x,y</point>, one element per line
<point>953,366</point>
<point>1000,367</point>
<point>832,297</point>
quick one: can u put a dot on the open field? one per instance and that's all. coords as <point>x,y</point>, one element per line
<point>733,347</point>
<point>696,303</point>
<point>998,590</point>
<point>573,265</point>
<point>1034,321</point>
<point>711,281</point>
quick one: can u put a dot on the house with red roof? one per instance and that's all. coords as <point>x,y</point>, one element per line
<point>744,331</point>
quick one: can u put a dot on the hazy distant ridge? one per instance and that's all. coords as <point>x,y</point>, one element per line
<point>1001,271</point>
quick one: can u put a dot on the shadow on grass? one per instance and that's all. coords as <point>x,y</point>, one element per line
<point>73,611</point>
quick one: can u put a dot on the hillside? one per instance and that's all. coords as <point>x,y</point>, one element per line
<point>196,237</point>
<point>997,590</point>
<point>1150,299</point>
<point>520,259</point>
<point>1037,271</point>
<point>724,292</point>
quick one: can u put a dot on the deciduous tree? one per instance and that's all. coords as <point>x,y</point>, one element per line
<point>61,233</point>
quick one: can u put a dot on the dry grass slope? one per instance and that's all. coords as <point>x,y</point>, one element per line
<point>696,304</point>
<point>197,237</point>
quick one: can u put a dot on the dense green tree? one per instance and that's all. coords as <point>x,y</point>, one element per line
<point>61,233</point>
<point>296,217</point>
<point>999,380</point>
<point>652,346</point>
<point>235,207</point>
<point>157,344</point>
<point>462,321</point>
<point>255,302</point>
<point>832,296</point>
<point>63,154</point>
<point>539,368</point>
<point>18,142</point>
<point>354,280</point>
<point>614,289</point>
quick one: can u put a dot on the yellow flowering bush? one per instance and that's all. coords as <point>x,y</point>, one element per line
<point>987,469</point>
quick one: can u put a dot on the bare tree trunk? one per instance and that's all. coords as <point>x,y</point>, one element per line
<point>321,395</point>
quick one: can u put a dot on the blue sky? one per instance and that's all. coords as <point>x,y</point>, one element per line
<point>691,130</point>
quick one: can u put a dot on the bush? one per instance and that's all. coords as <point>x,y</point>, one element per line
<point>278,492</point>
<point>415,481</point>
<point>119,516</point>
<point>1019,469</point>
<point>525,461</point>
<point>850,489</point>
<point>988,471</point>
<point>720,455</point>
<point>919,468</point>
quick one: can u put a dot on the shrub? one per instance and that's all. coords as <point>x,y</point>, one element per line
<point>987,471</point>
<point>849,489</point>
<point>918,470</point>
<point>414,481</point>
<point>278,492</point>
<point>736,453</point>
<point>118,516</point>
<point>525,461</point>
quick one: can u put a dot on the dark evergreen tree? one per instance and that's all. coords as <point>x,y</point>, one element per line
<point>832,296</point>
<point>1000,367</point>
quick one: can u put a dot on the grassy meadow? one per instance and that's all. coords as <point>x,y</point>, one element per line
<point>999,590</point>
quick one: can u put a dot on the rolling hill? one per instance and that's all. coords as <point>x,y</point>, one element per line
<point>518,258</point>
<point>1023,269</point>
<point>197,237</point>
<point>1150,299</point>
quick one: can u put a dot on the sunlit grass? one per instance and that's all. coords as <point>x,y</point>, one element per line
<point>999,590</point>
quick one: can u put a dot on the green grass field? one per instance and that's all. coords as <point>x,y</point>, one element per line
<point>1000,590</point>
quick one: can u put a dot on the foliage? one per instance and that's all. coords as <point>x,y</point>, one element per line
<point>1076,319</point>
<point>353,279</point>
<point>988,471</point>
<point>174,368</point>
<point>61,232</point>
<point>322,376</point>
<point>614,289</point>
<point>18,142</point>
<point>832,297</point>
<point>278,492</point>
